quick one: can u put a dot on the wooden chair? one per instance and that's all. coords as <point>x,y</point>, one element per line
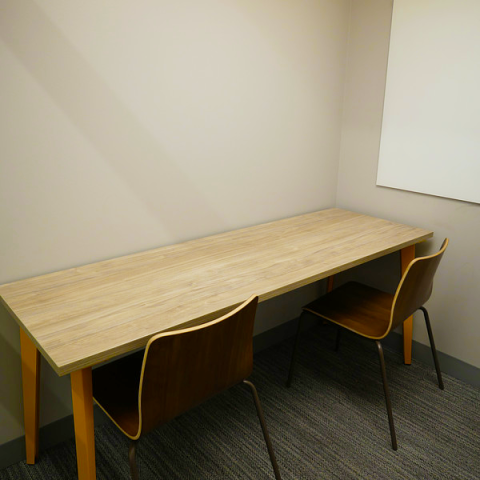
<point>177,371</point>
<point>373,314</point>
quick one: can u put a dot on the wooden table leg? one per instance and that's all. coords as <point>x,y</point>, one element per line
<point>82,400</point>
<point>31,394</point>
<point>407,254</point>
<point>330,283</point>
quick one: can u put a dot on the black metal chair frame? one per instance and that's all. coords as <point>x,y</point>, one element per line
<point>382,366</point>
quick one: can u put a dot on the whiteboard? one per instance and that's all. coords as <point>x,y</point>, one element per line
<point>430,141</point>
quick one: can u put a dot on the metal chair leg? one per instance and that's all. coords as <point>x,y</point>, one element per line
<point>432,346</point>
<point>258,406</point>
<point>387,395</point>
<point>132,454</point>
<point>294,351</point>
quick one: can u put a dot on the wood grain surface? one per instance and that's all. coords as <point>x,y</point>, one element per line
<point>82,316</point>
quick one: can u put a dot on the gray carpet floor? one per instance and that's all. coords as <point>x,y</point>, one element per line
<point>330,424</point>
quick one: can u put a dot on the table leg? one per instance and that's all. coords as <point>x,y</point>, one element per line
<point>407,254</point>
<point>330,283</point>
<point>31,394</point>
<point>82,400</point>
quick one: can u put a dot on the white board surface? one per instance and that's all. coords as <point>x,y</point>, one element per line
<point>430,140</point>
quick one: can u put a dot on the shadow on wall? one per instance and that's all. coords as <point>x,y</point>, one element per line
<point>102,117</point>
<point>11,400</point>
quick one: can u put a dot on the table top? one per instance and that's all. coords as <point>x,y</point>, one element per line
<point>82,316</point>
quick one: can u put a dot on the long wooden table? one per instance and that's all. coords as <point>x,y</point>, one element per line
<point>82,316</point>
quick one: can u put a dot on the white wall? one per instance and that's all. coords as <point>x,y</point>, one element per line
<point>455,303</point>
<point>129,125</point>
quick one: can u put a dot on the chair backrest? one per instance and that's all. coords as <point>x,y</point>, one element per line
<point>415,287</point>
<point>182,368</point>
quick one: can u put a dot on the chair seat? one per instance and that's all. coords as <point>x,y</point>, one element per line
<point>115,389</point>
<point>356,307</point>
<point>372,313</point>
<point>176,371</point>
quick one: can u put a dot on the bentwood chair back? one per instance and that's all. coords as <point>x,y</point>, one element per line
<point>416,286</point>
<point>373,314</point>
<point>179,370</point>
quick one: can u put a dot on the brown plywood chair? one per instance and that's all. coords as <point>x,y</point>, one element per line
<point>177,371</point>
<point>373,314</point>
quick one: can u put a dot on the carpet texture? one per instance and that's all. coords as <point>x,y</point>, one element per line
<point>330,424</point>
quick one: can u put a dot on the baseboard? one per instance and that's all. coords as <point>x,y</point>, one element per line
<point>61,430</point>
<point>282,332</point>
<point>450,365</point>
<point>276,335</point>
<point>50,435</point>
